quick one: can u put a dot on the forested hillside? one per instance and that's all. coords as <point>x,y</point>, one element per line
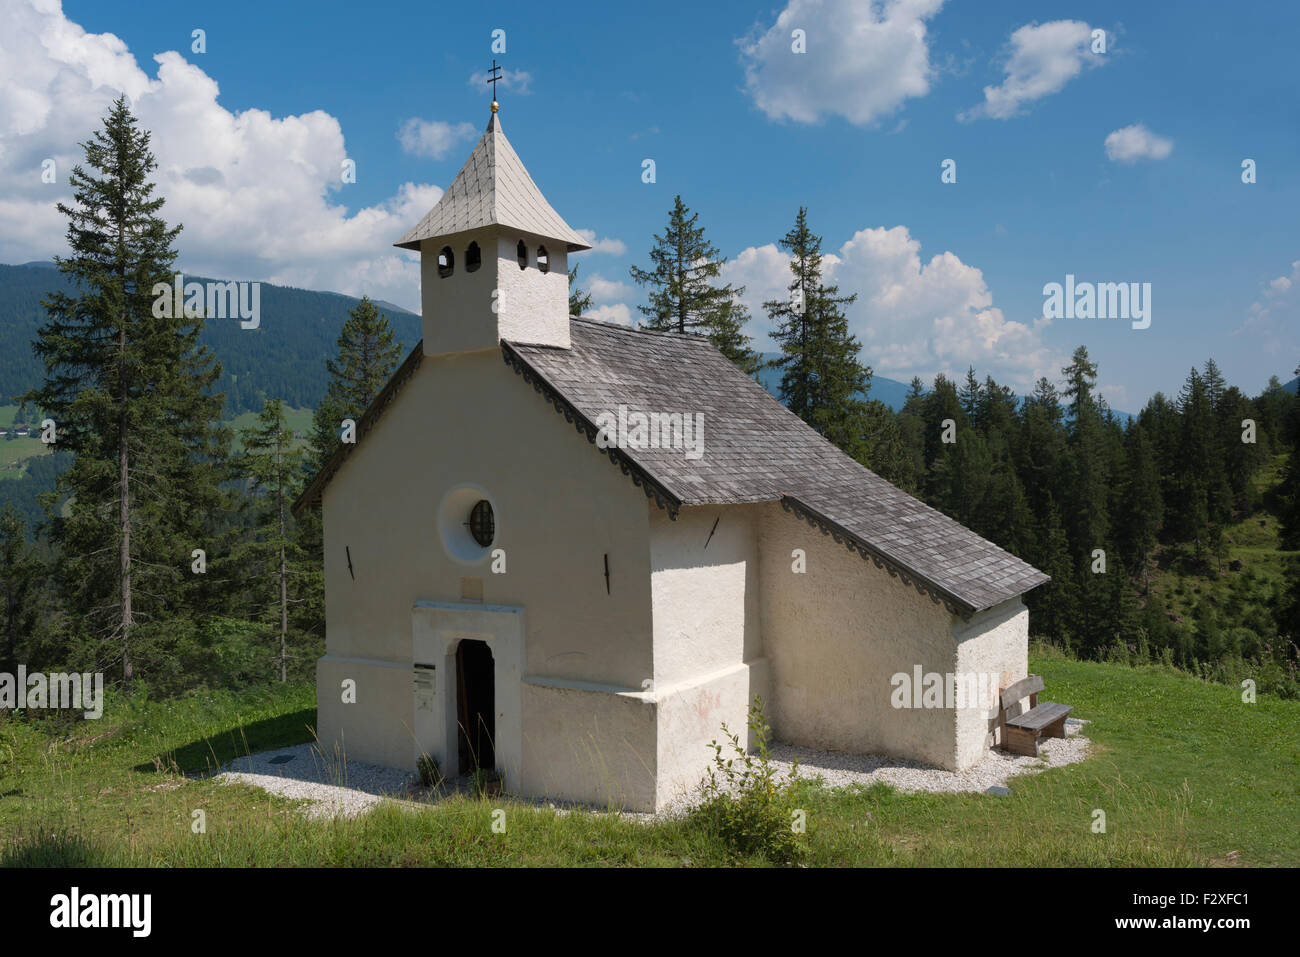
<point>283,358</point>
<point>1171,537</point>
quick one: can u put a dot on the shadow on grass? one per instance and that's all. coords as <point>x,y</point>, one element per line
<point>224,746</point>
<point>46,847</point>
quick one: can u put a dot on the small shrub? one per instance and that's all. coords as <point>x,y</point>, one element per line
<point>744,800</point>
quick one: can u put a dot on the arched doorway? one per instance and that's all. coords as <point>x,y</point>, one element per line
<point>475,705</point>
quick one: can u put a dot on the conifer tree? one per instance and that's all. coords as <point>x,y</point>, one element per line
<point>911,428</point>
<point>940,405</point>
<point>1086,515</point>
<point>1143,508</point>
<point>274,469</point>
<point>130,392</point>
<point>368,354</point>
<point>1289,496</point>
<point>1043,448</point>
<point>727,333</point>
<point>21,579</point>
<point>822,381</point>
<point>684,296</point>
<point>971,398</point>
<point>579,299</point>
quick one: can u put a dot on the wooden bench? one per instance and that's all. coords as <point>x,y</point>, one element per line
<point>1047,720</point>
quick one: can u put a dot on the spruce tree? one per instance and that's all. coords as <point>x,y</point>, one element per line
<point>1289,495</point>
<point>1143,508</point>
<point>368,354</point>
<point>21,580</point>
<point>727,333</point>
<point>684,296</point>
<point>1086,514</point>
<point>131,394</point>
<point>579,299</point>
<point>911,428</point>
<point>822,380</point>
<point>273,468</point>
<point>972,398</point>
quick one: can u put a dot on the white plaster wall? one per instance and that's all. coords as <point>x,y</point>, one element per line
<point>560,507</point>
<point>379,727</point>
<point>995,643</point>
<point>589,742</point>
<point>456,310</point>
<point>690,716</point>
<point>533,305</point>
<point>705,590</point>
<point>707,643</point>
<point>460,312</point>
<point>835,636</point>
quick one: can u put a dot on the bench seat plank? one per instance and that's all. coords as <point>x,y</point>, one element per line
<point>1035,719</point>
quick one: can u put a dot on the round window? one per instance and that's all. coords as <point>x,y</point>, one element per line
<point>482,524</point>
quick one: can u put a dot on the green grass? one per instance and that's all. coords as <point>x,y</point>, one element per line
<point>1186,773</point>
<point>1252,541</point>
<point>15,452</point>
<point>299,420</point>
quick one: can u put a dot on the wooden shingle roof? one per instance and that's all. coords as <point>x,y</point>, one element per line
<point>493,189</point>
<point>756,450</point>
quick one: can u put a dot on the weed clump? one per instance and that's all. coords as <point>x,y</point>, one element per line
<point>747,803</point>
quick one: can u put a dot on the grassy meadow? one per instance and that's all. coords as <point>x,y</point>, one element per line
<point>1186,773</point>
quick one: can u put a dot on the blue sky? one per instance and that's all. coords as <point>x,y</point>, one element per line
<point>746,130</point>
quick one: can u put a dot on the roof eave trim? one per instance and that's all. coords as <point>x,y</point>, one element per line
<point>571,245</point>
<point>654,489</point>
<point>855,543</point>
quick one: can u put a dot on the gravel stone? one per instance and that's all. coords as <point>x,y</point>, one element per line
<point>842,770</point>
<point>302,773</point>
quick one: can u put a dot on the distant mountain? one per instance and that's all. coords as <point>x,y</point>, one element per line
<point>889,391</point>
<point>284,357</point>
<point>1293,386</point>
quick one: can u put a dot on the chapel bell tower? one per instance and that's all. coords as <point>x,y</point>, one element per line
<point>493,256</point>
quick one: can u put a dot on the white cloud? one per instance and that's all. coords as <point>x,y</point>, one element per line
<point>260,197</point>
<point>1132,143</point>
<point>433,138</point>
<point>614,247</point>
<point>1274,318</point>
<point>913,318</point>
<point>607,290</point>
<point>618,312</point>
<point>1043,58</point>
<point>863,60</point>
<point>516,81</point>
<point>764,271</point>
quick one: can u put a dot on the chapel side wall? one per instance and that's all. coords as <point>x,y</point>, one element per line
<point>993,645</point>
<point>560,508</point>
<point>707,642</point>
<point>835,636</point>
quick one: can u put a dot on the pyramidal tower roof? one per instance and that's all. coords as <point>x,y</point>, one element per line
<point>493,189</point>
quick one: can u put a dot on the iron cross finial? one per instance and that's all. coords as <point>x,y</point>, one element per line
<point>494,75</point>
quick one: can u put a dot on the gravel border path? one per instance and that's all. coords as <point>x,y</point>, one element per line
<point>302,773</point>
<point>841,770</point>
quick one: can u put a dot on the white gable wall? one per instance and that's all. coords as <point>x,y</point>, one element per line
<point>560,507</point>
